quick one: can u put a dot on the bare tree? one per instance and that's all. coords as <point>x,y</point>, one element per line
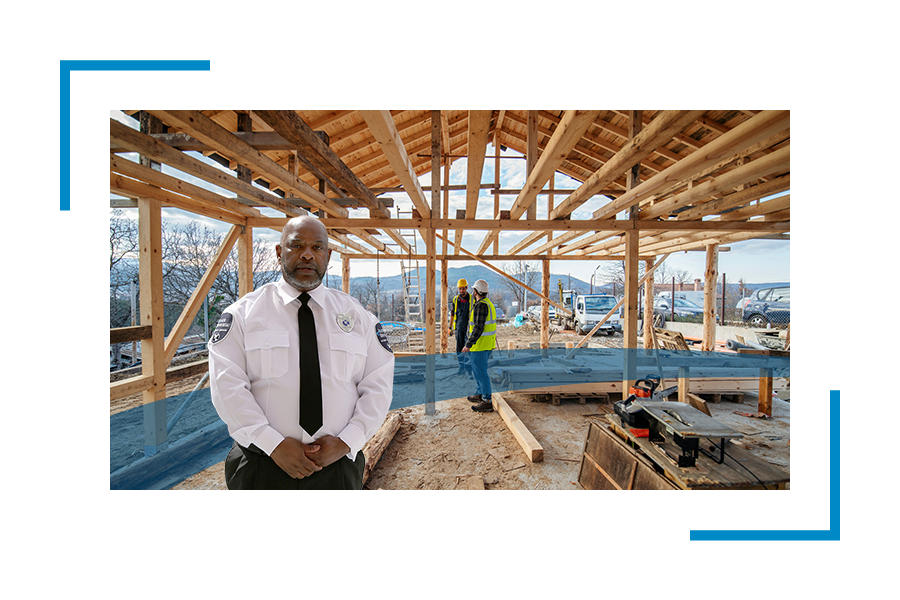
<point>528,273</point>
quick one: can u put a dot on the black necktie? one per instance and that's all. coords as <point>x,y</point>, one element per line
<point>310,377</point>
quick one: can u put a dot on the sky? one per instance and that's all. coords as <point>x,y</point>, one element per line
<point>754,261</point>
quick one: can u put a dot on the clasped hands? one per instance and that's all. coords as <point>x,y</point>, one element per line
<point>301,460</point>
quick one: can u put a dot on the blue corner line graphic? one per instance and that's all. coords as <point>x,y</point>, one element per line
<point>65,124</point>
<point>833,533</point>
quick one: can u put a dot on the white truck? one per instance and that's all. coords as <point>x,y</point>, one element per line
<point>586,310</point>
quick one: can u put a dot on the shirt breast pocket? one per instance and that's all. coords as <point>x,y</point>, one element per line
<point>348,355</point>
<point>267,353</point>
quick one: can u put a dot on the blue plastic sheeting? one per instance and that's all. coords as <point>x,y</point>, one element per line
<point>536,368</point>
<point>126,429</point>
<point>523,369</point>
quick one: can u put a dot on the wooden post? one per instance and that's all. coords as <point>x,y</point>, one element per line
<point>245,241</point>
<point>709,299</point>
<point>345,274</point>
<point>531,155</point>
<point>545,306</point>
<point>435,209</point>
<point>684,384</point>
<point>430,243</point>
<point>445,306</point>
<point>632,237</point>
<point>153,349</point>
<point>648,306</point>
<point>497,184</point>
<point>766,387</point>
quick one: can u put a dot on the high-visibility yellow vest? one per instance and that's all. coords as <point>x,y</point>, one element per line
<point>488,338</point>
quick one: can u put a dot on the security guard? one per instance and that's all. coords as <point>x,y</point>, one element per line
<point>302,375</point>
<point>481,341</point>
<point>459,318</point>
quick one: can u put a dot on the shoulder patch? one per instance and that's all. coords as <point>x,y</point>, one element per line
<point>222,328</point>
<point>382,337</point>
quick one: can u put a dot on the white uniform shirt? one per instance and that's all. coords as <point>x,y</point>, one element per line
<point>254,366</point>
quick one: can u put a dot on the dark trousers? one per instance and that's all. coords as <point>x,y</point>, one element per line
<point>253,469</point>
<point>460,357</point>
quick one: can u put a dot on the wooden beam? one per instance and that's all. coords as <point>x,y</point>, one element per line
<point>226,143</point>
<point>202,196</point>
<point>123,335</point>
<point>736,199</point>
<point>567,134</point>
<point>132,188</point>
<point>292,128</point>
<point>763,125</point>
<point>479,123</point>
<point>382,127</point>
<point>708,343</point>
<point>534,452</point>
<point>148,146</point>
<point>776,162</point>
<point>656,134</point>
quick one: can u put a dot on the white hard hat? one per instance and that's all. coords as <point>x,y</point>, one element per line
<point>480,286</point>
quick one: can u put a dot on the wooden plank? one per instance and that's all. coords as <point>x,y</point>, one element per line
<point>127,387</point>
<point>122,335</point>
<point>608,463</point>
<point>534,452</point>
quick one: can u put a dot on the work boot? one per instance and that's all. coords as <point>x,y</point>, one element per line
<point>475,398</point>
<point>461,371</point>
<point>484,406</point>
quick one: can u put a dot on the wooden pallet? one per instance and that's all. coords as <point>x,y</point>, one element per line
<point>555,398</point>
<point>717,397</point>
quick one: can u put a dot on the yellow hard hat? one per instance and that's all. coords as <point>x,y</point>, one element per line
<point>462,283</point>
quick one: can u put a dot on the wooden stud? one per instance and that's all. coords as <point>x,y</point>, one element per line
<point>709,299</point>
<point>152,350</point>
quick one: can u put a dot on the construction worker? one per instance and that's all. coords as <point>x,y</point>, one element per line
<point>459,319</point>
<point>481,341</point>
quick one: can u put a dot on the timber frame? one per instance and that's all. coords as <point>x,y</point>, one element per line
<point>685,180</point>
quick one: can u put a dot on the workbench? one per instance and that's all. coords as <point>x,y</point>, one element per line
<point>614,458</point>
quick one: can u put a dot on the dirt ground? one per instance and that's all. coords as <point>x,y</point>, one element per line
<point>456,448</point>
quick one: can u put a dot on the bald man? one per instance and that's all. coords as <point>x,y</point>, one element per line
<point>302,375</point>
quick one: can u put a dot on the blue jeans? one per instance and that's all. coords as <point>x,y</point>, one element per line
<point>479,361</point>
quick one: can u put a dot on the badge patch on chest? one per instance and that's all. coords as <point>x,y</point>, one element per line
<point>382,337</point>
<point>345,322</point>
<point>222,328</point>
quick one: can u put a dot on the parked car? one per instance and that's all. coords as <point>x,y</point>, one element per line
<point>685,310</point>
<point>535,311</point>
<point>768,306</point>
